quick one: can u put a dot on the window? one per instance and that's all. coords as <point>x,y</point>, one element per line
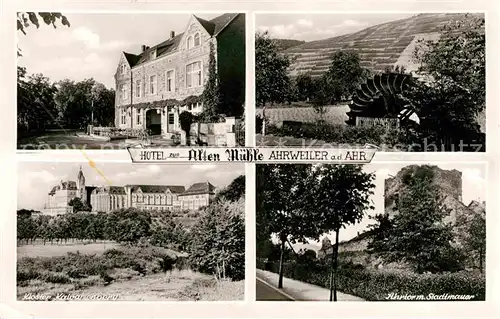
<point>124,91</point>
<point>138,88</point>
<point>123,116</point>
<point>190,42</point>
<point>152,84</point>
<point>193,74</point>
<point>152,55</point>
<point>196,39</point>
<point>123,68</point>
<point>169,81</point>
<point>138,116</point>
<point>170,119</point>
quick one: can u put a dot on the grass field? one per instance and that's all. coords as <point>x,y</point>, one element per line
<point>52,250</point>
<point>128,273</point>
<point>276,115</point>
<point>178,285</point>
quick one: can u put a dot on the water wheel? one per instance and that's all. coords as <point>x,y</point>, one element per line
<point>381,97</point>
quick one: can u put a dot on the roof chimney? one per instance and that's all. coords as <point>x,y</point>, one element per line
<point>144,48</point>
<point>172,34</point>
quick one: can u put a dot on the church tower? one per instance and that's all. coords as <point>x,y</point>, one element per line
<point>80,186</point>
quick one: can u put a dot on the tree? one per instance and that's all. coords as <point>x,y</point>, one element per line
<point>340,195</point>
<point>186,119</point>
<point>35,102</point>
<point>476,238</point>
<point>218,240</point>
<point>305,86</point>
<point>25,19</point>
<point>344,75</point>
<point>233,191</point>
<point>103,102</point>
<point>211,93</point>
<point>418,235</point>
<point>454,91</point>
<point>280,206</point>
<point>271,79</point>
<point>79,205</point>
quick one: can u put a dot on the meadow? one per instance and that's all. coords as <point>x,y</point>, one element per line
<point>38,249</point>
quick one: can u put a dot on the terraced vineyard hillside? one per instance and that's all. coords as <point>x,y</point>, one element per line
<point>379,47</point>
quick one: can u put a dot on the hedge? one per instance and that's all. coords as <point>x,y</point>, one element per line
<point>376,285</point>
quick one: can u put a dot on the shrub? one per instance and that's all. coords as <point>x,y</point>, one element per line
<point>377,284</point>
<point>56,278</point>
<point>217,240</point>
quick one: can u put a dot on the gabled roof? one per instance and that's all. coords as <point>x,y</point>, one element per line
<point>109,190</point>
<point>132,59</point>
<point>200,188</point>
<point>66,185</point>
<point>213,27</point>
<point>163,48</point>
<point>157,188</point>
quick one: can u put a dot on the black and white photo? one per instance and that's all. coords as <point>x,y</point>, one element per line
<point>115,80</point>
<point>114,231</point>
<point>378,232</point>
<point>412,82</point>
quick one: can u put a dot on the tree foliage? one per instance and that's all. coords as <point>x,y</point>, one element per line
<point>233,191</point>
<point>273,85</point>
<point>36,109</point>
<point>341,79</point>
<point>332,196</point>
<point>218,240</point>
<point>306,87</point>
<point>473,238</point>
<point>417,233</point>
<point>186,119</point>
<point>41,104</point>
<point>75,102</point>
<point>454,91</point>
<point>26,19</point>
<point>79,205</point>
<point>211,93</point>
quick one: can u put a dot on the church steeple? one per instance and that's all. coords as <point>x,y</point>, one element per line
<point>80,179</point>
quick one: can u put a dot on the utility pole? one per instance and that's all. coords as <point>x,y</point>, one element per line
<point>92,111</point>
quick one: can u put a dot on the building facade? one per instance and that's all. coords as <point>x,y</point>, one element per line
<point>143,197</point>
<point>156,85</point>
<point>60,195</point>
<point>198,195</point>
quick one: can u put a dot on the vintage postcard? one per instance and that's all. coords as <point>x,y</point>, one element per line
<point>119,232</point>
<point>398,232</point>
<point>177,80</point>
<point>249,159</point>
<point>407,82</point>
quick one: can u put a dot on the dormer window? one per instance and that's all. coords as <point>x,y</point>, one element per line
<point>152,55</point>
<point>196,39</point>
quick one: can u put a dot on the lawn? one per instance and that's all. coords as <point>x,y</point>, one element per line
<point>52,250</point>
<point>117,272</point>
<point>178,285</point>
<point>335,114</point>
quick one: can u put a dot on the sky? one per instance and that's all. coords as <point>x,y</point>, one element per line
<point>473,188</point>
<point>310,27</point>
<point>91,47</point>
<point>36,179</point>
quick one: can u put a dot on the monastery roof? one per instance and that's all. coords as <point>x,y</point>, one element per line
<point>200,188</point>
<point>65,185</point>
<point>157,188</point>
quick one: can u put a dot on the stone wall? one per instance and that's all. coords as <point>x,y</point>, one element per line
<point>449,183</point>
